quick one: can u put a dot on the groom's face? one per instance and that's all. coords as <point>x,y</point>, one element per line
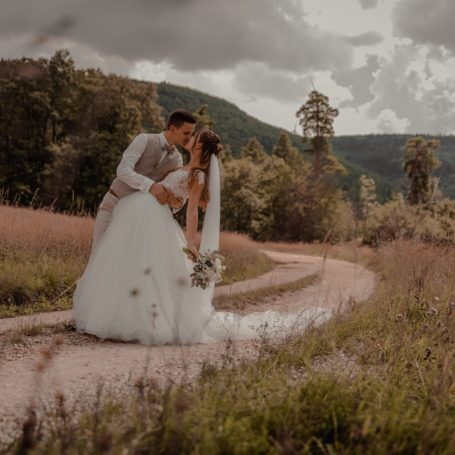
<point>182,135</point>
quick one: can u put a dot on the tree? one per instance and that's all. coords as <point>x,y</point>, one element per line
<point>254,151</point>
<point>419,162</point>
<point>226,154</point>
<point>25,109</point>
<point>367,196</point>
<point>203,117</point>
<point>62,94</point>
<point>242,203</point>
<point>285,150</point>
<point>316,118</point>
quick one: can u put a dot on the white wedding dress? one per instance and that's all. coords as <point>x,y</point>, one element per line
<point>136,285</point>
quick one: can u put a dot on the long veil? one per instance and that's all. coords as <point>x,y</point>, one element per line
<point>252,324</point>
<point>210,239</point>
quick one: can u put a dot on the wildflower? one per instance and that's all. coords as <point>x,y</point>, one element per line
<point>46,353</point>
<point>432,311</point>
<point>59,339</point>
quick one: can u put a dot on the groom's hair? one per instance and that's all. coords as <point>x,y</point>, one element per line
<point>178,117</point>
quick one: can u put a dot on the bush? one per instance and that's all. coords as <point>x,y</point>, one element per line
<point>396,220</point>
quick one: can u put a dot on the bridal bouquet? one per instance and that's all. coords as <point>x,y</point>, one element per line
<point>207,269</point>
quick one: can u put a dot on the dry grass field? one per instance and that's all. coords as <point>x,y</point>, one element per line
<point>42,253</point>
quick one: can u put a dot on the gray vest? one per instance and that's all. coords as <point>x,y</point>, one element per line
<point>149,165</point>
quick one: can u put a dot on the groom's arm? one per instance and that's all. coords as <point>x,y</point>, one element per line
<point>125,170</point>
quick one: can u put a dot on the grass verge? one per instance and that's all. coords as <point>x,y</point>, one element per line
<point>255,297</point>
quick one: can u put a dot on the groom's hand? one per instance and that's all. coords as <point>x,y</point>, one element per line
<point>159,192</point>
<point>174,202</point>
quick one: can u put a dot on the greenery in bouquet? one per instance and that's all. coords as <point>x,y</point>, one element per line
<point>208,268</point>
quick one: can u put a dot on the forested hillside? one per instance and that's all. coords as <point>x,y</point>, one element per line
<point>233,125</point>
<point>383,156</point>
<point>379,156</point>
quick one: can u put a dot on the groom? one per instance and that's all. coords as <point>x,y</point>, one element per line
<point>146,161</point>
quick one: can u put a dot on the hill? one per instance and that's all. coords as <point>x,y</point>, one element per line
<point>232,124</point>
<point>377,155</point>
<point>383,154</point>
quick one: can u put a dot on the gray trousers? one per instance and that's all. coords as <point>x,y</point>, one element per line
<point>103,218</point>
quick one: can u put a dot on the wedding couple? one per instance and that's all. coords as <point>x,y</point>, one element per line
<point>136,285</point>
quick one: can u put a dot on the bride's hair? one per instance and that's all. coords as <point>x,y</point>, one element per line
<point>211,145</point>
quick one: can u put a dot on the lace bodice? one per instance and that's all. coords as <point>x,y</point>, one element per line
<point>177,182</point>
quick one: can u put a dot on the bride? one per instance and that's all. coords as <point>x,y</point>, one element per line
<point>137,286</point>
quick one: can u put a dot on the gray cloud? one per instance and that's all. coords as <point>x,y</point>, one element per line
<point>364,39</point>
<point>189,34</point>
<point>426,22</point>
<point>368,4</point>
<point>400,89</point>
<point>257,79</point>
<point>358,81</point>
<point>83,55</point>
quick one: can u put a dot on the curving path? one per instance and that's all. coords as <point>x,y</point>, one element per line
<point>82,361</point>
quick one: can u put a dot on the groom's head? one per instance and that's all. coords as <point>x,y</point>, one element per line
<point>180,126</point>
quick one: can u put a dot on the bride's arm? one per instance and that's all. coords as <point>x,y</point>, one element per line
<point>192,215</point>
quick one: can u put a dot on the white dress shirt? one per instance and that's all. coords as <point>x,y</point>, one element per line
<point>164,143</point>
<point>125,170</point>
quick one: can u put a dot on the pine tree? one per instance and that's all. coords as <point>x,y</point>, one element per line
<point>62,94</point>
<point>203,117</point>
<point>367,196</point>
<point>254,150</point>
<point>285,150</point>
<point>316,118</point>
<point>419,162</point>
<point>226,154</point>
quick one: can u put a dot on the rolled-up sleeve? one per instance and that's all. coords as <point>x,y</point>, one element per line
<point>125,170</point>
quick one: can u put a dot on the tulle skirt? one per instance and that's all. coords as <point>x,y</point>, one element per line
<point>136,286</point>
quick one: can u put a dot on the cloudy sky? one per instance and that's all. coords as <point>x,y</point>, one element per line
<point>388,65</point>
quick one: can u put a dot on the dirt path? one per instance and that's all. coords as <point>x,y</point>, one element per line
<point>83,361</point>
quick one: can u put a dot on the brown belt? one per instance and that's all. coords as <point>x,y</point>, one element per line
<point>113,192</point>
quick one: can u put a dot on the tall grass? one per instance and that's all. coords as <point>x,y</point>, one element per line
<point>243,259</point>
<point>379,378</point>
<point>42,254</point>
<point>352,251</point>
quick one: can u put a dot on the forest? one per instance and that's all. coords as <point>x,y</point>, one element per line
<point>63,131</point>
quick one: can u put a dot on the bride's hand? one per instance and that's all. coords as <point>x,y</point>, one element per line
<point>194,252</point>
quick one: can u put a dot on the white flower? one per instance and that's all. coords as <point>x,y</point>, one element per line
<point>212,276</point>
